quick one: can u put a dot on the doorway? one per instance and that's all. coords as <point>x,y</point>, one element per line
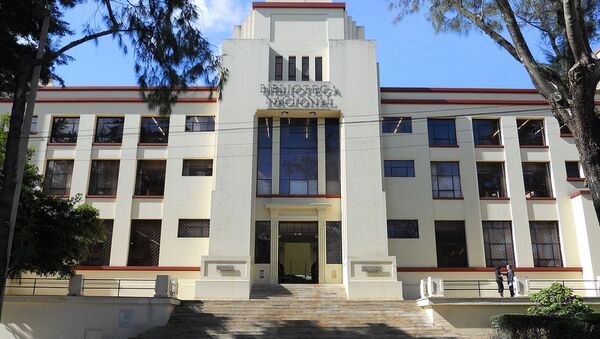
<point>298,253</point>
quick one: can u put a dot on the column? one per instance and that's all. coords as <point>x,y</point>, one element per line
<point>275,155</point>
<point>274,246</point>
<point>322,238</point>
<point>322,165</point>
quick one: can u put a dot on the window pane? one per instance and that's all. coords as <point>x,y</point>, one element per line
<point>292,69</point>
<point>34,121</point>
<point>399,168</point>
<point>531,132</point>
<point>197,168</point>
<point>305,69</point>
<point>262,245</point>
<point>396,125</point>
<point>545,242</point>
<point>332,156</point>
<point>486,131</point>
<point>193,228</point>
<point>333,239</point>
<point>100,254</point>
<point>200,124</point>
<point>403,229</point>
<point>573,169</point>
<point>318,69</point>
<point>104,177</point>
<point>144,243</point>
<point>490,176</point>
<point>278,68</point>
<point>57,180</point>
<point>299,157</point>
<point>498,243</point>
<point>442,132</point>
<point>150,180</point>
<point>445,179</point>
<point>64,130</point>
<point>536,176</point>
<point>265,156</point>
<point>451,244</point>
<point>155,130</point>
<point>109,130</point>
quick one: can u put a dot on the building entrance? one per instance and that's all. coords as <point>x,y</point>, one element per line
<point>298,253</point>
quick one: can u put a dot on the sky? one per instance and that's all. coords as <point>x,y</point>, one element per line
<point>410,53</point>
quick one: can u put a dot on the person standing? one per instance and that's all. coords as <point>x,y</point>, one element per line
<point>510,279</point>
<point>500,282</point>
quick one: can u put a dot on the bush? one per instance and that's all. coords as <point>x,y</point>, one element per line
<point>592,322</point>
<point>513,326</point>
<point>558,301</point>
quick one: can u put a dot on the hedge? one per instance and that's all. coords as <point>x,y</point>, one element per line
<point>513,326</point>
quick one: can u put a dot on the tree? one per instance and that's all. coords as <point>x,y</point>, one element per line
<point>567,75</point>
<point>558,301</point>
<point>169,49</point>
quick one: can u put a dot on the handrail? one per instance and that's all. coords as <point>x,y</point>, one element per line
<point>118,285</point>
<point>36,284</point>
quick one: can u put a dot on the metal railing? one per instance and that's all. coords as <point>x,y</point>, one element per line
<point>534,285</point>
<point>37,286</point>
<point>478,287</point>
<point>119,287</point>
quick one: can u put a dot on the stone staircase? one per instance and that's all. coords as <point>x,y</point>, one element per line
<point>298,311</point>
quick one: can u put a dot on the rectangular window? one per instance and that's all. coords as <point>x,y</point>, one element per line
<point>278,68</point>
<point>144,243</point>
<point>100,254</point>
<point>451,244</point>
<point>109,130</point>
<point>573,170</point>
<point>531,132</point>
<point>155,130</point>
<point>299,157</point>
<point>318,69</point>
<point>193,228</point>
<point>34,122</point>
<point>565,130</point>
<point>64,130</point>
<point>399,168</point>
<point>486,132</point>
<point>545,243</point>
<point>197,167</point>
<point>57,180</point>
<point>491,179</point>
<point>536,176</point>
<point>332,156</point>
<point>150,180</point>
<point>305,69</point>
<point>199,123</point>
<point>498,243</point>
<point>403,229</point>
<point>262,245</point>
<point>395,125</point>
<point>104,177</point>
<point>442,132</point>
<point>445,180</point>
<point>265,156</point>
<point>292,68</point>
<point>333,239</point>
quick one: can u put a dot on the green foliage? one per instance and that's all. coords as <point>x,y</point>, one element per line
<point>513,326</point>
<point>558,301</point>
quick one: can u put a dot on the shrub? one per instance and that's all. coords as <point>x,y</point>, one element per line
<point>558,301</point>
<point>513,326</point>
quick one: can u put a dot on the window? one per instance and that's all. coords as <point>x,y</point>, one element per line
<point>155,130</point>
<point>109,130</point>
<point>318,69</point>
<point>265,156</point>
<point>150,180</point>
<point>332,156</point>
<point>64,130</point>
<point>100,253</point>
<point>299,157</point>
<point>144,243</point>
<point>545,243</point>
<point>262,246</point>
<point>536,176</point>
<point>531,132</point>
<point>442,132</point>
<point>451,244</point>
<point>395,125</point>
<point>104,177</point>
<point>399,168</point>
<point>57,180</point>
<point>498,243</point>
<point>565,130</point>
<point>573,170</point>
<point>333,239</point>
<point>197,168</point>
<point>486,132</point>
<point>197,228</point>
<point>278,68</point>
<point>305,69</point>
<point>34,122</point>
<point>200,124</point>
<point>403,229</point>
<point>292,68</point>
<point>445,180</point>
<point>490,176</point>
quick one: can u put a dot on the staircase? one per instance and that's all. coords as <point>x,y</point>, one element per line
<point>298,311</point>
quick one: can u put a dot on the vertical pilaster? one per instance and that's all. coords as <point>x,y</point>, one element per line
<point>322,246</point>
<point>322,183</point>
<point>276,155</point>
<point>274,247</point>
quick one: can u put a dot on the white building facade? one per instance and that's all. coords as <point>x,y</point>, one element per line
<point>307,171</point>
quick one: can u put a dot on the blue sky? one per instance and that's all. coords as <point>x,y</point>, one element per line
<point>410,53</point>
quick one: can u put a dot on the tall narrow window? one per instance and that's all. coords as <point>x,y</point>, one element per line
<point>265,156</point>
<point>305,69</point>
<point>318,69</point>
<point>332,156</point>
<point>445,180</point>
<point>531,132</point>
<point>395,125</point>
<point>451,244</point>
<point>442,132</point>
<point>104,177</point>
<point>486,132</point>
<point>144,243</point>
<point>57,180</point>
<point>150,180</point>
<point>64,130</point>
<point>403,229</point>
<point>193,228</point>
<point>197,167</point>
<point>299,156</point>
<point>155,130</point>
<point>34,122</point>
<point>100,253</point>
<point>536,176</point>
<point>498,243</point>
<point>262,244</point>
<point>490,176</point>
<point>399,168</point>
<point>573,170</point>
<point>333,237</point>
<point>109,130</point>
<point>292,68</point>
<point>200,124</point>
<point>545,242</point>
<point>278,68</point>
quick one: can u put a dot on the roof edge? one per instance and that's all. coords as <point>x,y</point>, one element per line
<point>116,89</point>
<point>458,90</point>
<point>332,5</point>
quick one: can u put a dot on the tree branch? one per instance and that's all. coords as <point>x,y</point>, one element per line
<point>111,14</point>
<point>575,31</point>
<point>85,39</point>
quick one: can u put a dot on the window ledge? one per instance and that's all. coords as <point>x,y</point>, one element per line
<point>149,197</point>
<point>461,198</point>
<point>535,146</point>
<point>489,146</point>
<point>575,179</point>
<point>70,144</point>
<point>542,198</point>
<point>326,196</point>
<point>444,146</point>
<point>494,198</point>
<point>143,144</point>
<point>91,196</point>
<point>104,144</point>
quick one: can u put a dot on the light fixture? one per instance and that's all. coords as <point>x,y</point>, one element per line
<point>313,114</point>
<point>285,113</point>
